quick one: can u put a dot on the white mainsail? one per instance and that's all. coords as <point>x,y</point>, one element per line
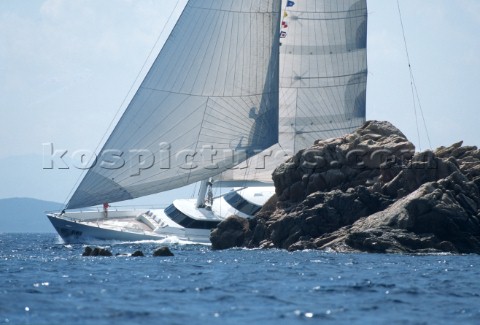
<point>209,101</point>
<point>323,80</point>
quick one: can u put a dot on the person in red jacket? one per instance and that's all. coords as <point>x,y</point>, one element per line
<point>105,209</point>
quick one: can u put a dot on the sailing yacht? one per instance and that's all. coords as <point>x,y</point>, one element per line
<point>238,87</point>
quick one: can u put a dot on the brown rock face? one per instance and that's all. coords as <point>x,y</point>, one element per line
<point>368,191</point>
<point>438,216</point>
<point>230,233</point>
<point>377,149</point>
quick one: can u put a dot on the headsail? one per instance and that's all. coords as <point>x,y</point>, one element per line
<point>323,79</point>
<point>208,102</point>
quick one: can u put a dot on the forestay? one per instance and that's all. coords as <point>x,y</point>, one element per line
<point>208,102</point>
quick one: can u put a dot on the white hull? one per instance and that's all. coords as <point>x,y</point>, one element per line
<point>182,220</point>
<point>81,232</point>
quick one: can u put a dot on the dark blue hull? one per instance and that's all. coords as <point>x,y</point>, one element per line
<point>75,232</point>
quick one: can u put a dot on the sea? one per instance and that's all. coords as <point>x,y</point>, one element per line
<point>44,281</point>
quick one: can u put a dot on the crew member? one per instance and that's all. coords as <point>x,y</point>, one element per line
<point>105,209</point>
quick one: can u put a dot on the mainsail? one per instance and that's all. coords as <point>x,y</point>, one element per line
<point>209,101</point>
<point>323,80</point>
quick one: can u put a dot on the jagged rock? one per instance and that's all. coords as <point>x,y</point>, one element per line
<point>352,160</point>
<point>138,254</point>
<point>101,252</point>
<point>323,212</point>
<point>162,251</point>
<point>436,217</point>
<point>466,158</point>
<point>302,245</point>
<point>424,167</point>
<point>87,251</point>
<point>265,244</point>
<point>368,191</point>
<point>230,233</point>
<point>97,251</point>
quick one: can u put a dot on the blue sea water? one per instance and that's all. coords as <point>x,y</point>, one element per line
<point>43,281</point>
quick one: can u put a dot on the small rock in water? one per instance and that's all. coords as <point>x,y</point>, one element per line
<point>88,251</point>
<point>138,254</point>
<point>97,251</point>
<point>162,251</point>
<point>101,252</point>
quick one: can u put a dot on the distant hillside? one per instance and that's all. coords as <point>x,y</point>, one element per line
<point>26,215</point>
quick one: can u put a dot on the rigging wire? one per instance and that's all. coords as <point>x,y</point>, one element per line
<point>413,85</point>
<point>117,113</point>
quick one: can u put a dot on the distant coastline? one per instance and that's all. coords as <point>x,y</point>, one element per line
<point>26,215</point>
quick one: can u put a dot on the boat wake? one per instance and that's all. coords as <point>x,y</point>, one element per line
<point>172,240</point>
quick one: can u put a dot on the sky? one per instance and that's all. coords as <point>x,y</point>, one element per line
<point>68,69</point>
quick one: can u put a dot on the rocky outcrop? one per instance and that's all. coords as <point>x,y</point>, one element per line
<point>230,233</point>
<point>376,151</point>
<point>368,191</point>
<point>438,216</point>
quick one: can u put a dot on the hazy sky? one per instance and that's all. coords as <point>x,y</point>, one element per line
<point>66,67</point>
